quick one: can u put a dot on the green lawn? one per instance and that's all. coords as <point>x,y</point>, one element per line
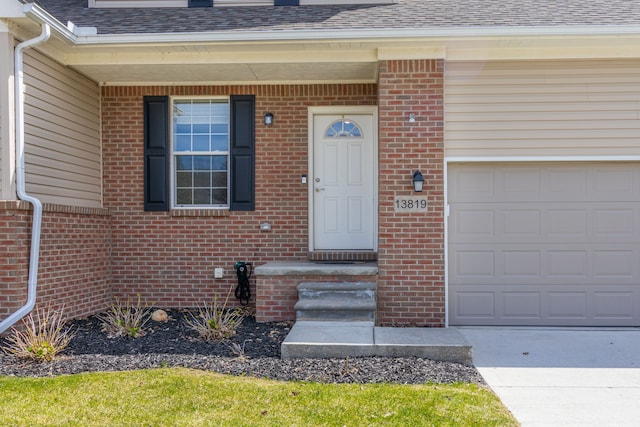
<point>183,397</point>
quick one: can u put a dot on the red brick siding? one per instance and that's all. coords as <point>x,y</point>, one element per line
<point>15,225</point>
<point>74,263</point>
<point>169,260</point>
<point>411,246</point>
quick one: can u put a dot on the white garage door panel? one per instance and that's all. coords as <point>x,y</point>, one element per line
<point>544,244</point>
<point>549,305</point>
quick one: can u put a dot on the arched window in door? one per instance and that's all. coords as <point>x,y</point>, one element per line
<point>343,128</point>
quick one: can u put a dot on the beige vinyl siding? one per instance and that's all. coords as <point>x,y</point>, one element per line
<point>535,108</point>
<point>62,134</point>
<point>7,192</point>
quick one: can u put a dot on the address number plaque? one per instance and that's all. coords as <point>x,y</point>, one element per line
<point>410,204</point>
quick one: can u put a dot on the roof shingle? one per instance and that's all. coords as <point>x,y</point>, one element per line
<point>405,14</point>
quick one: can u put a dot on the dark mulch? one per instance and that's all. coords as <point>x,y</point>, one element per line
<point>174,344</point>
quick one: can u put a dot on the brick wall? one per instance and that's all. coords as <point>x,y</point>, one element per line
<point>74,264</point>
<point>411,245</point>
<point>15,225</point>
<point>168,258</point>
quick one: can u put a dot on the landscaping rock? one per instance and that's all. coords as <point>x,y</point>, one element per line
<point>159,316</point>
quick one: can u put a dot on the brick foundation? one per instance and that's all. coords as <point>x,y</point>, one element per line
<point>74,264</point>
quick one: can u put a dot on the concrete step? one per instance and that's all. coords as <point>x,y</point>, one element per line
<point>336,301</point>
<point>309,339</point>
<point>336,286</point>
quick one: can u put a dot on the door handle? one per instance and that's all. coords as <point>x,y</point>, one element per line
<point>319,189</point>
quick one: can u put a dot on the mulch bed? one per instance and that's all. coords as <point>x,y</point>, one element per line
<point>173,343</point>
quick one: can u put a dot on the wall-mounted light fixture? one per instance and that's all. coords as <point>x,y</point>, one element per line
<point>268,119</point>
<point>412,118</point>
<point>418,181</point>
<point>265,226</point>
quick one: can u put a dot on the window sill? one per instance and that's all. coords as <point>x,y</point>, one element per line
<point>200,212</point>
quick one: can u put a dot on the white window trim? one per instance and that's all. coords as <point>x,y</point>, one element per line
<point>172,155</point>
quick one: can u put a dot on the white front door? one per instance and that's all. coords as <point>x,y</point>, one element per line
<point>343,182</point>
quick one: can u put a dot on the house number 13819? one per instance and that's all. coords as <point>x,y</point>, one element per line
<point>410,204</point>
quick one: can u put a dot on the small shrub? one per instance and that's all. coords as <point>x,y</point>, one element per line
<point>216,322</point>
<point>125,320</point>
<point>238,350</point>
<point>43,338</point>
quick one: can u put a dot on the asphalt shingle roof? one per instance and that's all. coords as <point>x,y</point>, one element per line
<point>405,14</point>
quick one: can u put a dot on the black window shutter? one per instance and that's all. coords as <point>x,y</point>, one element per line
<point>286,2</point>
<point>242,156</point>
<point>200,3</point>
<point>156,153</point>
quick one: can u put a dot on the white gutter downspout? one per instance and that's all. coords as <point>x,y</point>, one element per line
<point>20,180</point>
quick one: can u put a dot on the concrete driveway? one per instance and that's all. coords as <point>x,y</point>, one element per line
<point>562,376</point>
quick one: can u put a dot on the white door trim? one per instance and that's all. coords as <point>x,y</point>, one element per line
<point>341,109</point>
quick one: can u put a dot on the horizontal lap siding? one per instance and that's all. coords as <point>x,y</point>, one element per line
<point>62,134</point>
<point>533,108</point>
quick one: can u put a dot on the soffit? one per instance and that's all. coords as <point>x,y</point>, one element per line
<point>314,56</point>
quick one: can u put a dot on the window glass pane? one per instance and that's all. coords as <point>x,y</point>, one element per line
<point>220,111</point>
<point>351,129</point>
<point>202,163</point>
<point>201,125</point>
<point>201,107</point>
<point>200,142</point>
<point>182,127</point>
<point>219,163</point>
<point>183,179</point>
<point>219,142</point>
<point>184,162</point>
<point>219,179</point>
<point>219,197</point>
<point>222,128</point>
<point>202,179</point>
<point>184,197</point>
<point>183,143</point>
<point>202,196</point>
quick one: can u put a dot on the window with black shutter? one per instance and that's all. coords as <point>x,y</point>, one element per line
<point>202,155</point>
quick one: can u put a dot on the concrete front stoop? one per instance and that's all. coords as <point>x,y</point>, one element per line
<point>336,301</point>
<point>331,339</point>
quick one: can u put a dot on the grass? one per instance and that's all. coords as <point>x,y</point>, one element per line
<point>183,397</point>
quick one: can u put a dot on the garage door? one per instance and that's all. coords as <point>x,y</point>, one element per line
<point>544,244</point>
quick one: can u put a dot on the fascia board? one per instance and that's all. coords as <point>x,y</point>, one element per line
<point>41,16</point>
<point>364,34</point>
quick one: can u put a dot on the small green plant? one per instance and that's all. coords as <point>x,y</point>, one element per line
<point>125,320</point>
<point>238,350</point>
<point>44,336</point>
<point>216,322</point>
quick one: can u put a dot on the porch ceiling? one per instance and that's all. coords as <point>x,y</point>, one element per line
<point>225,63</point>
<point>345,61</point>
